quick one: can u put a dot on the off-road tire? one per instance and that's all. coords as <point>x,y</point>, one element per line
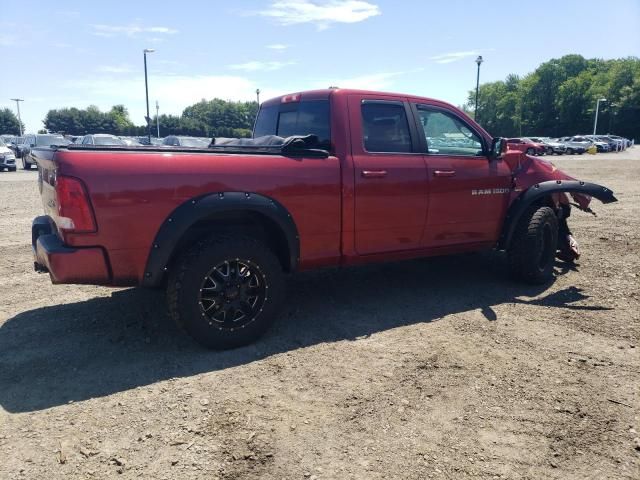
<point>532,251</point>
<point>185,285</point>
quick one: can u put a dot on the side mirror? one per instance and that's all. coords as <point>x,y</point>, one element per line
<point>498,148</point>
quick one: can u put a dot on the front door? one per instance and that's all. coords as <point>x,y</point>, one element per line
<point>468,192</point>
<point>390,176</point>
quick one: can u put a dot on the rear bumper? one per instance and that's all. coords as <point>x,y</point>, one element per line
<point>87,265</point>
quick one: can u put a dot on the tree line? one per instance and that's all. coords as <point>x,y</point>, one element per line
<point>559,98</point>
<point>207,118</point>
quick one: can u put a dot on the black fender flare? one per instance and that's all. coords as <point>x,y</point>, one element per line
<point>199,208</point>
<point>535,192</point>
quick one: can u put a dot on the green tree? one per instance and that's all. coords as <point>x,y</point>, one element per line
<point>559,98</point>
<point>120,116</point>
<point>9,122</point>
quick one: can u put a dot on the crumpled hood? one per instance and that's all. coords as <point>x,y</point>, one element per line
<point>528,171</point>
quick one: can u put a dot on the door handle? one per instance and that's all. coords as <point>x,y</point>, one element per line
<point>374,173</point>
<point>444,173</point>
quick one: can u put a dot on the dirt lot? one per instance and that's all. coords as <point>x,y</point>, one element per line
<point>438,368</point>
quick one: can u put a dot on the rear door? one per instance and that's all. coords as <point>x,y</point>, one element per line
<point>468,193</point>
<point>390,178</point>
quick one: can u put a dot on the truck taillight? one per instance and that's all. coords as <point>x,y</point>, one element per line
<point>74,211</point>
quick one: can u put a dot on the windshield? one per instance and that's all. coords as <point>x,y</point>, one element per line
<point>48,140</point>
<point>194,142</point>
<point>107,141</point>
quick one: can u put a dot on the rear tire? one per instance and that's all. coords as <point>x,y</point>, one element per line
<point>530,151</point>
<point>226,291</point>
<point>569,151</point>
<point>532,251</point>
<point>25,164</point>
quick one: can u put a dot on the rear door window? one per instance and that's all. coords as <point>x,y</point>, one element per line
<point>296,118</point>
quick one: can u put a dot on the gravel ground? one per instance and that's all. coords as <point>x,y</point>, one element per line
<point>399,370</point>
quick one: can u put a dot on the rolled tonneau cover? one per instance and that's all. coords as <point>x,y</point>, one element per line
<point>267,145</point>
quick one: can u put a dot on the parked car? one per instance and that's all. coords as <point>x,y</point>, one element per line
<point>19,146</point>
<point>144,140</point>
<point>614,145</point>
<point>8,139</point>
<point>222,227</point>
<point>179,141</point>
<point>526,145</point>
<point>130,141</point>
<point>551,146</point>
<point>7,157</point>
<point>574,147</point>
<point>32,141</point>
<point>626,143</point>
<point>101,139</point>
<point>601,147</point>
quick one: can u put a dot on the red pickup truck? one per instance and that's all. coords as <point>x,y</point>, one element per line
<point>360,177</point>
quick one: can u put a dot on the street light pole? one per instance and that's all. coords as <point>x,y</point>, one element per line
<point>146,89</point>
<point>258,95</point>
<point>595,122</point>
<point>18,100</point>
<point>157,118</point>
<point>478,61</point>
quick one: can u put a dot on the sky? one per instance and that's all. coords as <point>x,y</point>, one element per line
<point>79,53</point>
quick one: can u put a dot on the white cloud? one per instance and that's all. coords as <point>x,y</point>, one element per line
<point>130,30</point>
<point>278,46</point>
<point>372,81</point>
<point>321,14</point>
<point>453,56</point>
<point>113,69</point>
<point>256,66</point>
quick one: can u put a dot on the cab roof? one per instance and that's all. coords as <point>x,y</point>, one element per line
<point>323,94</point>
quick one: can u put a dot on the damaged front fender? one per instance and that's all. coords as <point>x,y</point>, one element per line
<point>582,192</point>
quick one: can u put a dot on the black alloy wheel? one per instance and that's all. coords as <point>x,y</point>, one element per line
<point>225,291</point>
<point>232,294</point>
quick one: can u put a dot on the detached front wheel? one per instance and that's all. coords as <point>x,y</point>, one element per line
<point>532,251</point>
<point>226,291</point>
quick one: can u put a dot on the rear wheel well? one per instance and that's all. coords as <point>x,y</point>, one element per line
<point>249,223</point>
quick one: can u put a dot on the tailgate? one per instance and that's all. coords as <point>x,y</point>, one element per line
<point>47,171</point>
